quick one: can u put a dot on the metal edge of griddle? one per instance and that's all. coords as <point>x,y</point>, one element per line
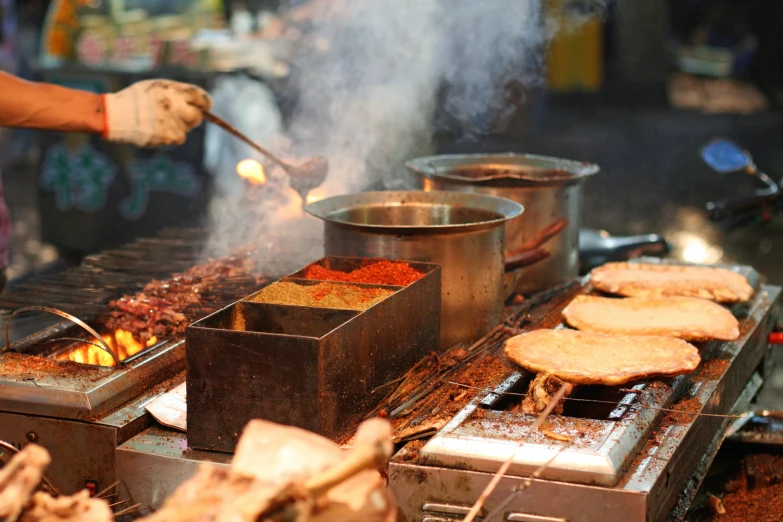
<point>417,486</point>
<point>664,471</point>
<point>156,461</point>
<point>100,397</point>
<point>688,494</point>
<point>132,418</point>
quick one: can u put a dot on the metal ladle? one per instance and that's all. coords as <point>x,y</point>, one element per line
<point>304,178</point>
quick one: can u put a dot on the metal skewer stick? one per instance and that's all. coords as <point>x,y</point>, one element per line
<point>474,511</point>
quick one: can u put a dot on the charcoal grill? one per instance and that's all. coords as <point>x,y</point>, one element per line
<point>630,458</point>
<point>82,412</point>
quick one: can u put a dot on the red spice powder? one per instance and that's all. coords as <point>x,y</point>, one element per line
<point>392,273</point>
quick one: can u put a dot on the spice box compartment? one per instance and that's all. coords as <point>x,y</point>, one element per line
<point>321,369</point>
<point>323,294</point>
<point>350,264</point>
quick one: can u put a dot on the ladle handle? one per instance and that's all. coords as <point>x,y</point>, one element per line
<point>223,124</point>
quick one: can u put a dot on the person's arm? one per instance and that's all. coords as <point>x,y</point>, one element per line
<point>46,106</point>
<point>148,113</point>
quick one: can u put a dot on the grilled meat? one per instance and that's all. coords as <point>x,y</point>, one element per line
<point>165,308</point>
<point>592,358</point>
<point>688,318</point>
<point>648,280</point>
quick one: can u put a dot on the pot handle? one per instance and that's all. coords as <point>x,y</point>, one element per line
<point>531,252</point>
<point>523,259</point>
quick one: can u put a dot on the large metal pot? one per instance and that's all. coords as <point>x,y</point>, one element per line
<point>550,190</point>
<point>464,233</point>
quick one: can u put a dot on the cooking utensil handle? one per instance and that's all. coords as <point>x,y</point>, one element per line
<point>645,244</point>
<point>223,124</point>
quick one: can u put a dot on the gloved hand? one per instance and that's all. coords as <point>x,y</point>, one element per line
<point>154,112</point>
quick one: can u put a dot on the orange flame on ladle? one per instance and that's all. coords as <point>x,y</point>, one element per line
<point>121,341</point>
<point>313,196</point>
<point>252,171</point>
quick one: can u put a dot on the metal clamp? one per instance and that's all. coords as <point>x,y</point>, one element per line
<point>103,345</point>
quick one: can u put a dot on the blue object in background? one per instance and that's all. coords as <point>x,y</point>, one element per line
<point>725,156</point>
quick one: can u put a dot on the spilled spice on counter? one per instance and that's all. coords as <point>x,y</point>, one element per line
<point>322,295</point>
<point>744,503</point>
<point>683,411</point>
<point>711,370</point>
<point>392,273</point>
<point>25,367</point>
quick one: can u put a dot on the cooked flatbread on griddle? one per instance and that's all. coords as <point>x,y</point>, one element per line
<point>649,280</point>
<point>593,358</point>
<point>688,318</point>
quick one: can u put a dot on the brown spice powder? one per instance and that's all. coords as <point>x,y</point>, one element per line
<point>322,295</point>
<point>757,504</point>
<point>23,366</point>
<point>711,370</point>
<point>684,411</point>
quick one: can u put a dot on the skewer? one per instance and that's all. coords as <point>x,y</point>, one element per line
<point>618,403</point>
<point>128,510</point>
<point>105,490</point>
<point>527,482</point>
<point>561,393</point>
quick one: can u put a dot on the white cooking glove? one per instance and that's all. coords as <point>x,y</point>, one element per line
<point>154,112</point>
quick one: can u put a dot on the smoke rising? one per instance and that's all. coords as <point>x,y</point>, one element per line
<point>367,86</point>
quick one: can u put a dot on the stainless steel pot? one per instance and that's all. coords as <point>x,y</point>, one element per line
<point>464,233</point>
<point>550,190</point>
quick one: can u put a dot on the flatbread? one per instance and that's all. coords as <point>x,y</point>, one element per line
<point>648,280</point>
<point>593,358</point>
<point>687,318</point>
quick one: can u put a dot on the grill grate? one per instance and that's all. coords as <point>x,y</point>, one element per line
<point>83,290</point>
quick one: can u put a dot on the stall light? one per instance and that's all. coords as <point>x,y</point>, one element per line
<point>696,249</point>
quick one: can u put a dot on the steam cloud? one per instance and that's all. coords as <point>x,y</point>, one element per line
<point>367,92</point>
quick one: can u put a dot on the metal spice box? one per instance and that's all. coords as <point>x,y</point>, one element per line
<point>316,368</point>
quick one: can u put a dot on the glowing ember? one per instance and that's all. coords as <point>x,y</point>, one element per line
<point>252,171</point>
<point>121,341</point>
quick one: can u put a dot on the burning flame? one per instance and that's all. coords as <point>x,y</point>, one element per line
<point>252,171</point>
<point>121,341</point>
<point>314,195</point>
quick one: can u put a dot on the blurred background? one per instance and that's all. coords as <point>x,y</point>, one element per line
<point>637,87</point>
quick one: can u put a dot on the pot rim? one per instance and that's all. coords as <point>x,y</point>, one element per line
<point>442,167</point>
<point>505,209</point>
